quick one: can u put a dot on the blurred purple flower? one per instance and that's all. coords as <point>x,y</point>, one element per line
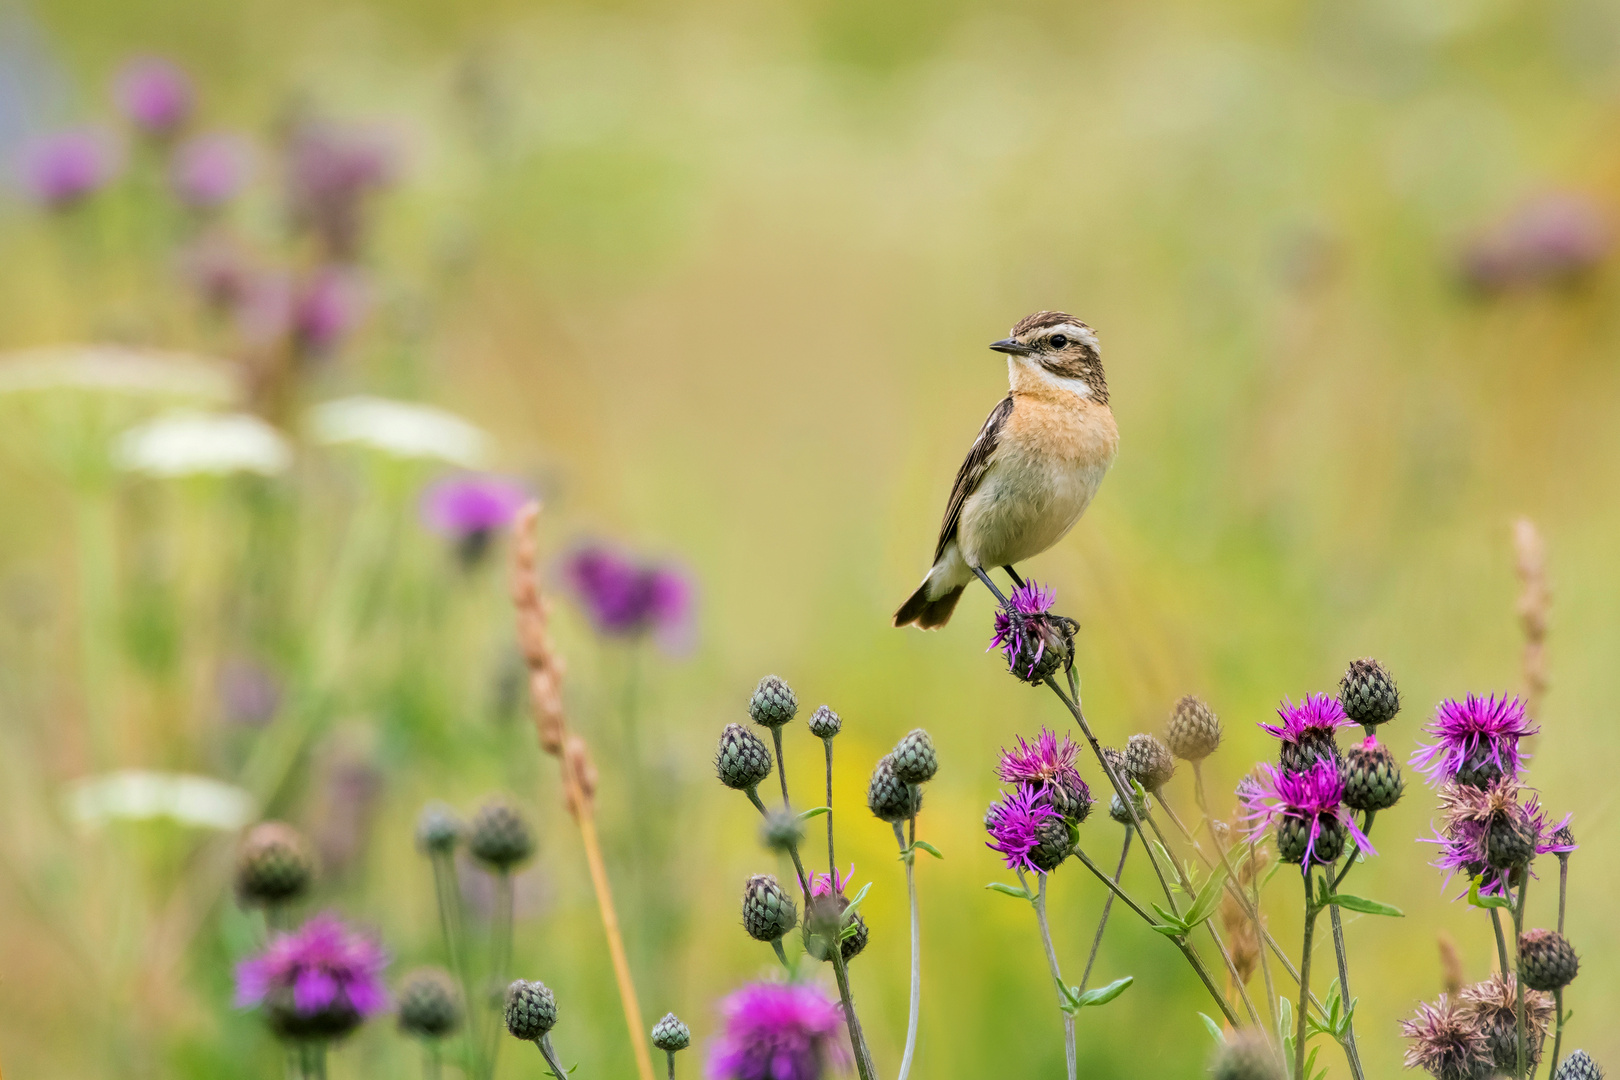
<point>1477,739</point>
<point>208,170</point>
<point>154,94</point>
<point>471,508</point>
<point>62,169</point>
<point>218,269</point>
<point>249,692</point>
<point>321,979</point>
<point>625,598</point>
<point>778,1032</point>
<point>329,305</point>
<point>330,171</point>
<point>1553,238</point>
<point>1014,824</point>
<point>1311,795</point>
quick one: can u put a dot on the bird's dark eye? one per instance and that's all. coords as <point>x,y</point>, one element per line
<point>1059,341</point>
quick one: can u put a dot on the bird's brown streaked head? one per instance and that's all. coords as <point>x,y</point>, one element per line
<point>1060,345</point>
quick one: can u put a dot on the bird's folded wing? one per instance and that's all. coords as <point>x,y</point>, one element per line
<point>972,471</point>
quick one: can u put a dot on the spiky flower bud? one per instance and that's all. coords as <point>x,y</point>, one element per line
<point>824,723</point>
<point>888,797</point>
<point>1368,693</point>
<point>823,922</point>
<point>438,830</point>
<point>913,759</point>
<point>1510,841</point>
<point>670,1035</point>
<point>1148,761</point>
<point>773,703</point>
<point>1480,769</point>
<point>1313,746</point>
<point>781,830</point>
<point>1117,811</point>
<point>498,836</point>
<point>1246,1056</point>
<point>1194,731</point>
<point>1547,961</point>
<point>1578,1066</point>
<point>531,1010</point>
<point>429,1006</point>
<point>273,865</point>
<point>768,911</point>
<point>741,761</point>
<point>1372,779</point>
<point>1294,837</point>
<point>1564,837</point>
<point>1054,843</point>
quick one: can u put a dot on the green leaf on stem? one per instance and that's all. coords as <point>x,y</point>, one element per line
<point>1365,906</point>
<point>1009,890</point>
<point>1102,995</point>
<point>1209,897</point>
<point>1214,1029</point>
<point>1172,926</point>
<point>815,811</point>
<point>1165,855</point>
<point>1485,901</point>
<point>849,912</point>
<point>926,846</point>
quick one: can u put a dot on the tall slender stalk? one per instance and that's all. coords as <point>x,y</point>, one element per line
<point>1558,1037</point>
<point>557,1070</point>
<point>1352,1051</point>
<point>832,863</point>
<point>1039,902</point>
<point>1311,911</point>
<point>1108,905</point>
<point>915,1003</point>
<point>500,958</point>
<point>448,896</point>
<point>857,1038</point>
<point>1518,979</point>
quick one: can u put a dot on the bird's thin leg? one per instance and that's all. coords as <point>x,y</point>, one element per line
<point>984,577</point>
<point>1018,581</point>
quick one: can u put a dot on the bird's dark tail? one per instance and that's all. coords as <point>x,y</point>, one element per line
<point>925,613</point>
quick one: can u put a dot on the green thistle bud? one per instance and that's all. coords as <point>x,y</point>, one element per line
<point>1547,961</point>
<point>1117,811</point>
<point>1246,1056</point>
<point>913,759</point>
<point>531,1010</point>
<point>768,911</point>
<point>1194,731</point>
<point>1579,1066</point>
<point>1148,761</point>
<point>824,723</point>
<point>822,923</point>
<point>429,1007</point>
<point>1372,779</point>
<point>1316,746</point>
<point>438,830</point>
<point>781,830</point>
<point>1510,841</point>
<point>1368,694</point>
<point>1054,844</point>
<point>773,703</point>
<point>1294,837</point>
<point>742,761</point>
<point>274,865</point>
<point>888,797</point>
<point>670,1035</point>
<point>498,836</point>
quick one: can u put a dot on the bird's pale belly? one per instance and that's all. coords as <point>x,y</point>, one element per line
<point>1023,507</point>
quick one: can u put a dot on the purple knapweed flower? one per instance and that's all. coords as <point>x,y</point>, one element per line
<point>1468,816</point>
<point>1307,802</point>
<point>1554,238</point>
<point>1034,641</point>
<point>331,169</point>
<point>154,94</point>
<point>1477,740</point>
<point>778,1032</point>
<point>319,981</point>
<point>208,170</point>
<point>1048,768</point>
<point>326,307</point>
<point>625,598</point>
<point>62,170</point>
<point>1015,823</point>
<point>470,509</point>
<point>1318,714</point>
<point>832,884</point>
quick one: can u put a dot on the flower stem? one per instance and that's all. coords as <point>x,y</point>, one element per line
<point>1057,976</point>
<point>1108,905</point>
<point>430,1059</point>
<point>857,1040</point>
<point>1352,1051</point>
<point>1558,1037</point>
<point>1563,887</point>
<point>1518,980</point>
<point>1311,911</point>
<point>915,1003</point>
<point>832,864</point>
<point>550,1053</point>
<point>448,895</point>
<point>500,961</point>
<point>1501,942</point>
<point>781,955</point>
<point>781,765</point>
<point>671,1054</point>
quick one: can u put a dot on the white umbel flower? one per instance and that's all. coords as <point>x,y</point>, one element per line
<point>197,444</point>
<point>117,370</point>
<point>400,428</point>
<point>141,795</point>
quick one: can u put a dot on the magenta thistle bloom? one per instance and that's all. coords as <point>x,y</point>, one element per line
<point>1034,641</point>
<point>1307,803</point>
<point>154,93</point>
<point>461,506</point>
<point>331,170</point>
<point>832,884</point>
<point>1015,825</point>
<point>61,170</point>
<point>778,1032</point>
<point>625,598</point>
<point>1477,740</point>
<point>327,307</point>
<point>1552,239</point>
<point>1048,767</point>
<point>208,170</point>
<point>1317,715</point>
<point>1470,815</point>
<point>319,981</point>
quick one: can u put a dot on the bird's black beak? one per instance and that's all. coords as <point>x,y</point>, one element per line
<point>1011,347</point>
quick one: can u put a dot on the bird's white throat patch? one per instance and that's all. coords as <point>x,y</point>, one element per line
<point>1023,369</point>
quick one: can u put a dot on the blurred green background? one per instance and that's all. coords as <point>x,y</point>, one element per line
<point>718,278</point>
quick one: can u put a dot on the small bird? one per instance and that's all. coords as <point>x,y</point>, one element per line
<point>1033,469</point>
